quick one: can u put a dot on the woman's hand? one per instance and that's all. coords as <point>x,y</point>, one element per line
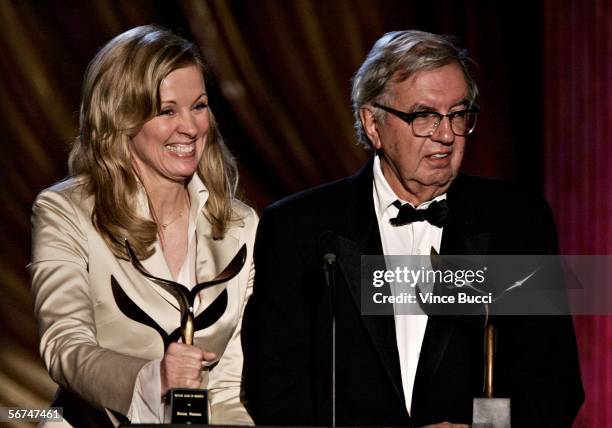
<point>182,365</point>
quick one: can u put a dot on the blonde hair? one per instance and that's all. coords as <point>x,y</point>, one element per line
<point>120,94</point>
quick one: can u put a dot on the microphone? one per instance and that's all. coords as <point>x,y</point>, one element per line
<point>329,259</point>
<point>329,247</point>
<point>329,267</point>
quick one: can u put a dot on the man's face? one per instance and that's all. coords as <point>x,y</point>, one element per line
<point>420,168</point>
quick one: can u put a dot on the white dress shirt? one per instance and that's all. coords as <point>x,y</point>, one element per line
<point>147,405</point>
<point>411,239</point>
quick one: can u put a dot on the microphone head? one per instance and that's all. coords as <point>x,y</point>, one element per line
<point>329,258</point>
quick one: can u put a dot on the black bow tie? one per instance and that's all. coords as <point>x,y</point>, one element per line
<point>435,214</point>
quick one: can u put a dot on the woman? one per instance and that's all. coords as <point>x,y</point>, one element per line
<point>149,167</point>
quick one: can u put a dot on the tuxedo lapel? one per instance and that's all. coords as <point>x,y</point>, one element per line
<point>363,238</point>
<point>466,232</point>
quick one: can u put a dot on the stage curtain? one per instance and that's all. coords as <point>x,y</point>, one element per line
<point>577,168</point>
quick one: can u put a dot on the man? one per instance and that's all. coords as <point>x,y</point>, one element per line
<point>414,103</point>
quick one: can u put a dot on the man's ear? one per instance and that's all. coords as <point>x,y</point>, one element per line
<point>370,125</point>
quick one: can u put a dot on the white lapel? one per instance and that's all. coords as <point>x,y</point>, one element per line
<point>151,298</point>
<point>212,257</point>
<point>157,266</point>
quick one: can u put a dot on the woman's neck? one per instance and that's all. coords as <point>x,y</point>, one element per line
<point>168,200</point>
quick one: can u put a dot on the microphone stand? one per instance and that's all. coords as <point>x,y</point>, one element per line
<point>329,265</point>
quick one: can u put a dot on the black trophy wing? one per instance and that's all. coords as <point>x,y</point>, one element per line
<point>133,311</point>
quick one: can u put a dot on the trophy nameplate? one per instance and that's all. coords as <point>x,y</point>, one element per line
<point>188,406</point>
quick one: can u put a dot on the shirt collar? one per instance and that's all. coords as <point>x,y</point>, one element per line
<point>385,196</point>
<point>198,195</point>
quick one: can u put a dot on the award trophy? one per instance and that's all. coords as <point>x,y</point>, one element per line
<point>187,406</point>
<point>487,412</point>
<point>490,412</point>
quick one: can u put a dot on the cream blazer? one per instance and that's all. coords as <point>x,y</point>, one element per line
<point>88,345</point>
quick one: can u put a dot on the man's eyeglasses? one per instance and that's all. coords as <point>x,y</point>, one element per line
<point>425,123</point>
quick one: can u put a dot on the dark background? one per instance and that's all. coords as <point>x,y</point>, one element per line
<point>280,90</point>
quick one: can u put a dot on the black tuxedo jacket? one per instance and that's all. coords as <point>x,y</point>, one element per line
<point>287,324</point>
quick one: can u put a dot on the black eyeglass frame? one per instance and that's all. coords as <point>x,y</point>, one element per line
<point>409,118</point>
